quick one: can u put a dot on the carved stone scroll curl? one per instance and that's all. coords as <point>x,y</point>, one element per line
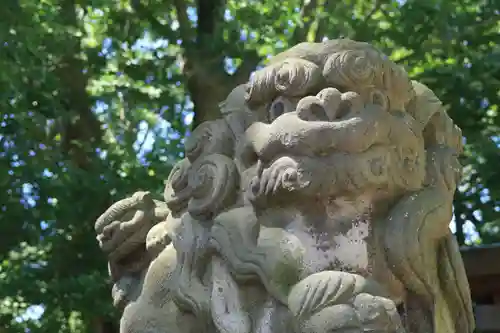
<point>177,191</point>
<point>210,137</point>
<point>213,181</point>
<point>293,77</point>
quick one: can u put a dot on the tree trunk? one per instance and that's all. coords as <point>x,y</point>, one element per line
<point>105,325</point>
<point>80,129</point>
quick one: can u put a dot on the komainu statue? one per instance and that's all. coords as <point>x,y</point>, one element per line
<point>319,202</point>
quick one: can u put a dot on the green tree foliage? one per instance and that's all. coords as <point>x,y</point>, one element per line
<point>95,97</point>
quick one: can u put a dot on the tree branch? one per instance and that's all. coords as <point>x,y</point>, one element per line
<point>186,31</point>
<point>406,57</point>
<point>364,25</point>
<point>300,32</point>
<point>320,30</point>
<point>322,26</point>
<point>375,8</point>
<point>207,81</point>
<point>144,13</point>
<point>250,61</point>
<point>80,126</point>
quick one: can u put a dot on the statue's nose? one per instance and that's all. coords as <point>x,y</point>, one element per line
<point>311,108</point>
<point>328,105</point>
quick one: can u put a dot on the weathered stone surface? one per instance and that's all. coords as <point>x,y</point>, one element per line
<point>320,202</point>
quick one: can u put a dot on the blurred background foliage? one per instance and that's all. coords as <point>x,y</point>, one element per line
<point>96,97</point>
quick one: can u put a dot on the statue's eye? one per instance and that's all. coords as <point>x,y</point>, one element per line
<point>278,109</point>
<point>280,106</point>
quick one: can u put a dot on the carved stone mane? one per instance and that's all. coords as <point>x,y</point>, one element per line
<point>319,203</point>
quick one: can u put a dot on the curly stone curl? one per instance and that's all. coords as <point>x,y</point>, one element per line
<point>344,64</point>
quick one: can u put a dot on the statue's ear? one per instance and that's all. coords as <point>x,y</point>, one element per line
<point>424,104</point>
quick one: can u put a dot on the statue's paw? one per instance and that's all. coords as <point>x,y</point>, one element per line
<point>377,314</point>
<point>281,175</point>
<point>364,313</point>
